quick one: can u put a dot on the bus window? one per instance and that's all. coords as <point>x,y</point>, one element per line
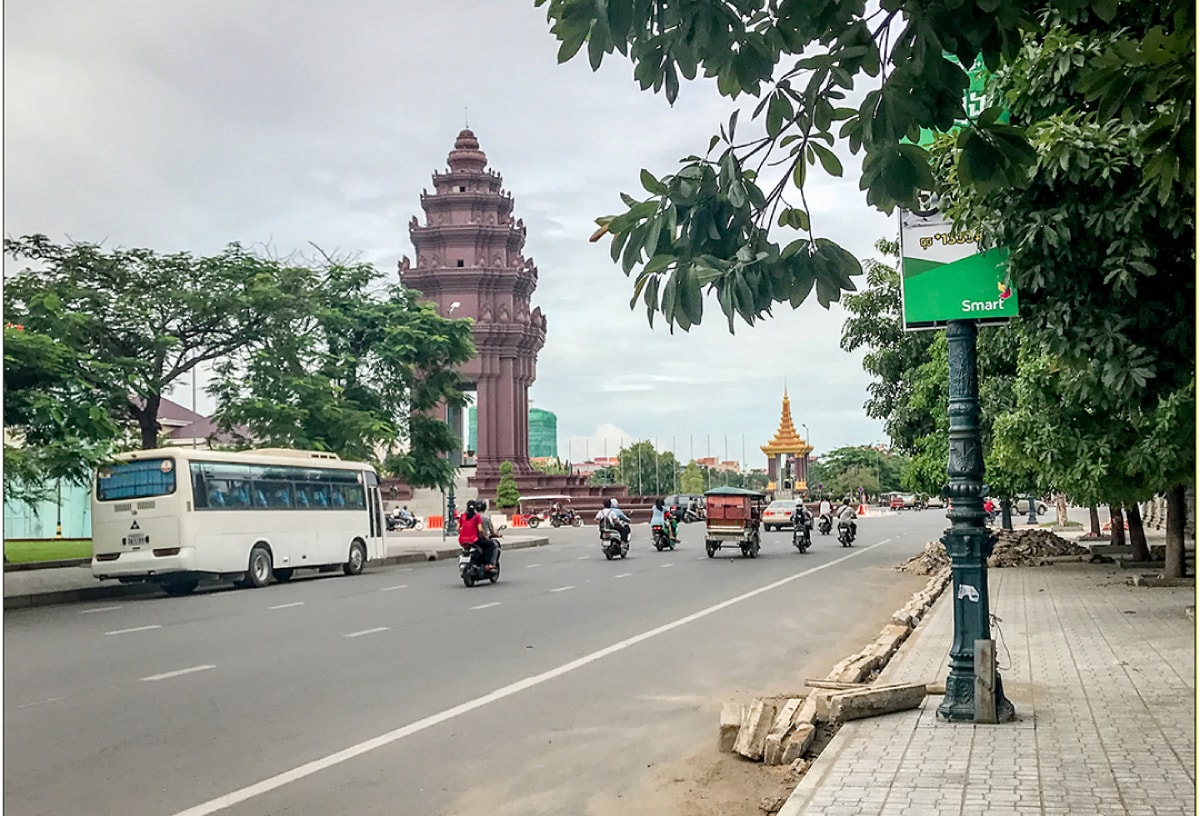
<point>136,480</point>
<point>278,494</point>
<point>320,496</point>
<point>199,488</point>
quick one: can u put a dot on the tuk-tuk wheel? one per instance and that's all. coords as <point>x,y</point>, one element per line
<point>578,522</point>
<point>533,522</point>
<point>710,549</point>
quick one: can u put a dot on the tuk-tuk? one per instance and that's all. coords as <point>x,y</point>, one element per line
<point>734,515</point>
<point>554,510</point>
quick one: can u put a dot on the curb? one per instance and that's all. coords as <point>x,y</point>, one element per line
<point>24,566</point>
<point>110,591</point>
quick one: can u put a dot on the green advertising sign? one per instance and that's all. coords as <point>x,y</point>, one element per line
<point>945,275</point>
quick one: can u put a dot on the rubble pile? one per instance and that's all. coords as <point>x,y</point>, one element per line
<point>1014,548</point>
<point>1028,548</point>
<point>933,559</point>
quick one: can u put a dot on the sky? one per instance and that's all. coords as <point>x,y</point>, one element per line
<point>190,125</point>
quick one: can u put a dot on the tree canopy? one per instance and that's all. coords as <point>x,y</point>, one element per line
<point>709,225</point>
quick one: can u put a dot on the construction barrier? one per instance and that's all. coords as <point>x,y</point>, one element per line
<point>518,520</point>
<point>435,523</point>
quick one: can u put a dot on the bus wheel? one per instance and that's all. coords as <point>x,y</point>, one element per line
<point>283,573</point>
<point>179,587</point>
<point>259,574</point>
<point>358,559</point>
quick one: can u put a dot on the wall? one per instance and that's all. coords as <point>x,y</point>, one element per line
<point>22,520</point>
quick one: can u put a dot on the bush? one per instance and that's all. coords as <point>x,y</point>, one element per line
<point>507,492</point>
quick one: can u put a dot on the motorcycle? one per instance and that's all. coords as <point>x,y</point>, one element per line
<point>400,523</point>
<point>472,568</point>
<point>566,518</point>
<point>825,525</point>
<point>611,543</point>
<point>801,537</point>
<point>661,537</point>
<point>846,533</point>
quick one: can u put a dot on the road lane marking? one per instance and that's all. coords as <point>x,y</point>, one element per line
<point>38,702</point>
<point>405,569</point>
<point>562,589</point>
<point>623,575</point>
<point>885,541</point>
<point>368,631</point>
<point>98,609</point>
<point>134,629</point>
<point>487,605</point>
<point>531,566</point>
<point>338,757</point>
<point>583,558</point>
<point>664,566</point>
<point>177,673</point>
<point>389,589</point>
<point>287,605</point>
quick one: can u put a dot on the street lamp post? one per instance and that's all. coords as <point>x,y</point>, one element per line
<point>1032,517</point>
<point>968,541</point>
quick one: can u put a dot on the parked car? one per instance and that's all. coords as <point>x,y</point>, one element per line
<point>934,501</point>
<point>1022,506</point>
<point>679,504</point>
<point>896,503</point>
<point>778,515</point>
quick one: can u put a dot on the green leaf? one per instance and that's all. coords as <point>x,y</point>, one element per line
<point>652,184</point>
<point>828,160</point>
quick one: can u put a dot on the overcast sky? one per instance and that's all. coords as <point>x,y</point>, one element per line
<point>187,125</point>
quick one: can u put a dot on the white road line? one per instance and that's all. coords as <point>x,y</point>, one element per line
<point>562,589</point>
<point>702,558</point>
<point>485,606</point>
<point>368,631</point>
<point>134,629</point>
<point>405,569</point>
<point>389,589</point>
<point>582,557</point>
<point>357,750</point>
<point>169,675</point>
<point>287,605</point>
<point>885,541</point>
<point>98,609</point>
<point>531,566</point>
<point>623,575</point>
<point>38,702</point>
<point>664,566</point>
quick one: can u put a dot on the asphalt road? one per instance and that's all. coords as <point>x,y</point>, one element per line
<point>402,691</point>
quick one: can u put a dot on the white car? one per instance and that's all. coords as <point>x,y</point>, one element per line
<point>1022,506</point>
<point>778,515</point>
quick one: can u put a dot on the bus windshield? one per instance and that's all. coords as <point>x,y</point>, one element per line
<point>136,480</point>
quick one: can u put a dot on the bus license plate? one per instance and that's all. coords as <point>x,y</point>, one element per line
<point>137,539</point>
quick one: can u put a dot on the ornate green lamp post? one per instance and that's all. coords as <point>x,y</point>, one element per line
<point>1032,517</point>
<point>968,541</point>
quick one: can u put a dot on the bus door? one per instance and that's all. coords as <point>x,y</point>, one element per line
<point>375,515</point>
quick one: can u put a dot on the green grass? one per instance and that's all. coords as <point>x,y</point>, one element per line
<point>43,549</point>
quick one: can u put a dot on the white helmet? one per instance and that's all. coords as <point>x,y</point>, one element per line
<point>614,502</point>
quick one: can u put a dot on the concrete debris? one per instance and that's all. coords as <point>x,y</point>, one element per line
<point>875,700</point>
<point>797,743</point>
<point>932,559</point>
<point>732,715</point>
<point>784,722</point>
<point>752,735</point>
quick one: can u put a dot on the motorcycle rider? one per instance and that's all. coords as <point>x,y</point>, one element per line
<point>488,535</point>
<point>611,515</point>
<point>470,525</point>
<point>802,516</point>
<point>847,516</point>
<point>660,516</point>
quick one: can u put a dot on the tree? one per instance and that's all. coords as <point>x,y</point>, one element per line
<point>692,480</point>
<point>645,470</point>
<point>54,414</point>
<point>148,319</point>
<point>708,225</point>
<point>507,492</point>
<point>361,370</point>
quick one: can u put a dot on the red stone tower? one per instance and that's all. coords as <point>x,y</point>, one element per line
<point>469,263</point>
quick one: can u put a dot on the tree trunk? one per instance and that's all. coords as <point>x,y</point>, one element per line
<point>1117,518</point>
<point>1137,532</point>
<point>1006,514</point>
<point>147,419</point>
<point>1094,518</point>
<point>1176,521</point>
<point>1060,507</point>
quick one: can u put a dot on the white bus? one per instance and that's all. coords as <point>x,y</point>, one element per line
<point>175,515</point>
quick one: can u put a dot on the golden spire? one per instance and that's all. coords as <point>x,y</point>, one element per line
<point>786,439</point>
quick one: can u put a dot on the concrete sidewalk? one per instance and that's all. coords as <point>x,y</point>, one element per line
<point>39,587</point>
<point>1103,677</point>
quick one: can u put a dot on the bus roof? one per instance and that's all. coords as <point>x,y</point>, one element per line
<point>270,456</point>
